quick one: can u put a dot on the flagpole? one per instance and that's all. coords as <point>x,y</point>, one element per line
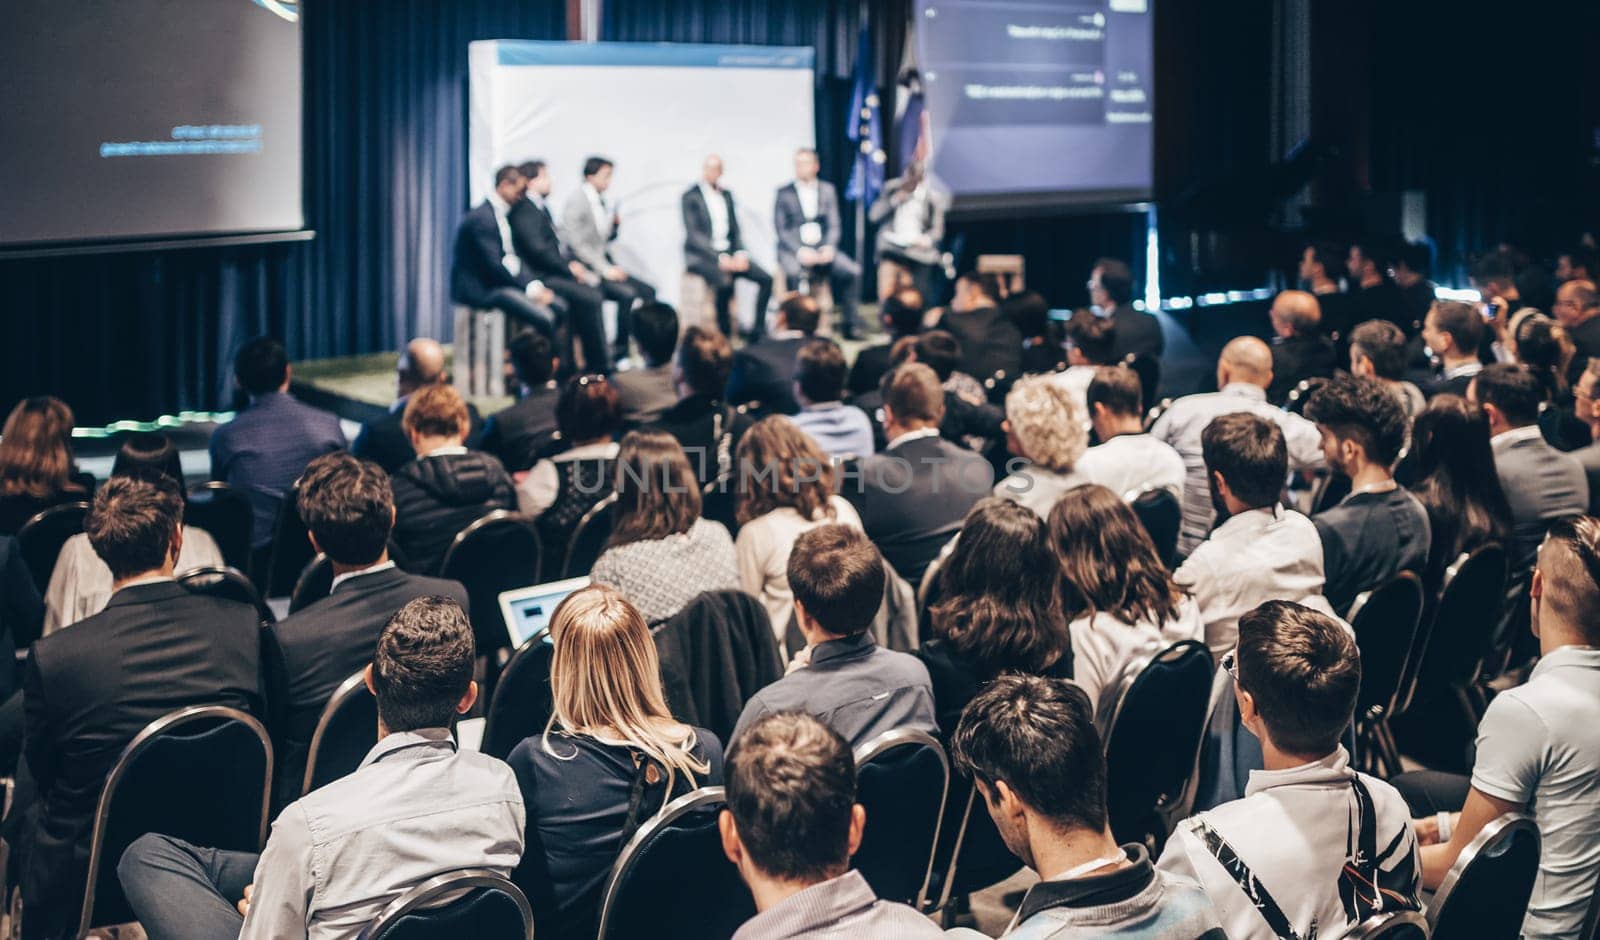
<point>867,276</point>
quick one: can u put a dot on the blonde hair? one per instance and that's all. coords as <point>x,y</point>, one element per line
<point>605,682</point>
<point>1048,422</point>
<point>436,411</point>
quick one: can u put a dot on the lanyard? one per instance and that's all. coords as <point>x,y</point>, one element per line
<point>1087,867</point>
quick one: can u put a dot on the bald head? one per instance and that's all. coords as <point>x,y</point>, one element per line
<point>1245,359</point>
<point>1295,313</point>
<point>421,364</point>
<point>711,170</point>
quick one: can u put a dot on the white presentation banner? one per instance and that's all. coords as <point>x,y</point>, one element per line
<point>656,110</point>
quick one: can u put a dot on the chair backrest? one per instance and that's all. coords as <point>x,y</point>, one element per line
<point>40,539</point>
<point>291,548</point>
<point>229,584</point>
<point>1301,394</point>
<point>225,514</point>
<point>521,705</point>
<point>928,590</point>
<point>345,733</point>
<point>1161,515</point>
<point>1393,925</point>
<point>1154,738</point>
<point>1485,893</point>
<point>1385,622</point>
<point>1148,369</point>
<point>473,902</point>
<point>672,882</point>
<point>1462,628</point>
<point>497,553</point>
<point>588,539</point>
<point>1156,411</point>
<point>202,774</point>
<point>715,655</point>
<point>315,583</point>
<point>970,855</point>
<point>902,778</point>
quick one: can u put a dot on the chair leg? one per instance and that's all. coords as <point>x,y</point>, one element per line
<point>1389,751</point>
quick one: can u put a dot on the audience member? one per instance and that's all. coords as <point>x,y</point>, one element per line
<point>707,427</point>
<point>843,677</point>
<point>383,441</point>
<point>998,608</point>
<point>969,419</point>
<point>1453,331</point>
<point>1537,751</point>
<point>1046,433</point>
<point>1577,307</point>
<point>1410,272</point>
<point>990,342</point>
<point>89,690</point>
<point>1120,603</point>
<point>790,826</point>
<point>22,613</point>
<point>1542,345</point>
<point>1378,351</point>
<point>418,807</point>
<point>1541,483</point>
<point>647,392</point>
<point>80,583</point>
<point>447,487</point>
<point>1319,262</point>
<point>1243,373</point>
<point>763,372</point>
<point>1583,403</point>
<point>1296,675</point>
<point>1259,550</point>
<point>901,313</point>
<point>37,469</point>
<point>1137,332</point>
<point>1090,340</point>
<point>1577,263</point>
<point>1380,529</point>
<point>609,759</point>
<point>1457,483</point>
<point>1041,349</point>
<point>560,489</point>
<point>1128,460</point>
<point>785,488</point>
<point>913,495</point>
<point>839,430</point>
<point>1300,351</point>
<point>518,434</point>
<point>662,553</point>
<point>1373,295</point>
<point>348,509</point>
<point>1035,757</point>
<point>263,449</point>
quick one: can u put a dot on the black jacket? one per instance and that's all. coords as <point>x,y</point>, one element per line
<point>872,362</point>
<point>913,498</point>
<point>437,497</point>
<point>519,434</point>
<point>384,442</point>
<point>1297,358</point>
<point>477,266</point>
<point>89,690</point>
<point>697,246</point>
<point>990,342</point>
<point>21,610</point>
<point>764,372</point>
<point>533,234</point>
<point>715,654</point>
<point>1136,333</point>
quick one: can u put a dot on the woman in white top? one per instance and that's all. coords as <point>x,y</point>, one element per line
<point>80,584</point>
<point>1120,601</point>
<point>1047,429</point>
<point>786,488</point>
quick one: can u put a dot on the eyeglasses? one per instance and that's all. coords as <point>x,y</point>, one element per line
<point>1230,662</point>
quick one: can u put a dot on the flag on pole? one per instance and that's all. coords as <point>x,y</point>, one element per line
<point>865,130</point>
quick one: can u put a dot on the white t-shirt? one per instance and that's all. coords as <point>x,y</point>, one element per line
<point>763,548</point>
<point>1129,463</point>
<point>1104,647</point>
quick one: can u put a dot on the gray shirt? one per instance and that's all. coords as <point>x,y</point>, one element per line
<point>1368,539</point>
<point>414,809</point>
<point>853,685</point>
<point>842,908</point>
<point>1542,485</point>
<point>645,394</point>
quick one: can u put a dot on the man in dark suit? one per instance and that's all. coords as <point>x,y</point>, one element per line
<point>990,342</point>
<point>901,313</point>
<point>485,270</point>
<point>1373,295</point>
<point>763,372</point>
<point>519,434</point>
<point>713,250</point>
<point>89,690</point>
<point>348,508</point>
<point>1452,330</point>
<point>1299,349</point>
<point>1138,332</point>
<point>382,440</point>
<point>913,496</point>
<point>533,233</point>
<point>806,217</point>
<point>264,448</point>
<point>1577,307</point>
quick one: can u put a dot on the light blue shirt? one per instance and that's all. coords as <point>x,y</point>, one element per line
<point>840,430</point>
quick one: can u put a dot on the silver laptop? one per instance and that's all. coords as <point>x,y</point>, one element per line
<point>527,611</point>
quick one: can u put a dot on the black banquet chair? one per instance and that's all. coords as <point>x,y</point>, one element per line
<point>1394,925</point>
<point>902,779</point>
<point>1486,891</point>
<point>672,882</point>
<point>345,733</point>
<point>40,539</point>
<point>588,539</point>
<point>496,553</point>
<point>522,704</point>
<point>1461,631</point>
<point>314,583</point>
<point>290,551</point>
<point>1153,742</point>
<point>202,774</point>
<point>225,514</point>
<point>473,902</point>
<point>1162,516</point>
<point>229,584</point>
<point>1385,622</point>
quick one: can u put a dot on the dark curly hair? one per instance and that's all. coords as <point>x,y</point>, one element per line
<point>1361,410</point>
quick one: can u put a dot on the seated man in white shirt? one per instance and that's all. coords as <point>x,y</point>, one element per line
<point>1315,847</point>
<point>1090,341</point>
<point>1537,748</point>
<point>1127,461</point>
<point>415,809</point>
<point>1259,550</point>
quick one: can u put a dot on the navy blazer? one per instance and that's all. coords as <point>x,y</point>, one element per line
<point>266,447</point>
<point>764,372</point>
<point>477,265</point>
<point>697,246</point>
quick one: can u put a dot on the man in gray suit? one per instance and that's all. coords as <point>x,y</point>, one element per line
<point>589,223</point>
<point>909,214</point>
<point>806,217</point>
<point>1541,483</point>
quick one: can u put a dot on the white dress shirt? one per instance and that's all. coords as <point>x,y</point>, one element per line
<point>508,251</point>
<point>371,569</point>
<point>80,583</point>
<point>717,207</point>
<point>809,198</point>
<point>911,216</point>
<point>1104,647</point>
<point>1130,463</point>
<point>601,212</point>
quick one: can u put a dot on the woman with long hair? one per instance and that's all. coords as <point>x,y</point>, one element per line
<point>37,469</point>
<point>1456,483</point>
<point>609,759</point>
<point>1119,599</point>
<point>561,488</point>
<point>998,609</point>
<point>785,488</point>
<point>662,552</point>
<point>1542,344</point>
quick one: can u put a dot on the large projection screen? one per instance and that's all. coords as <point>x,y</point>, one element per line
<point>656,110</point>
<point>139,119</point>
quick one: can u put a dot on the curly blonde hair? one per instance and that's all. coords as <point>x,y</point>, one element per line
<point>1048,423</point>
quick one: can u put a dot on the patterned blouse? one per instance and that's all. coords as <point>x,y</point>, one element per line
<point>661,576</point>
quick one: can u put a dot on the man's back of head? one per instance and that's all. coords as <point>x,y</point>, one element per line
<point>705,360</point>
<point>912,393</point>
<point>902,312</point>
<point>1510,393</point>
<point>1461,322</point>
<point>348,506</point>
<point>1296,313</point>
<point>1567,601</point>
<point>1029,312</point>
<point>1250,454</point>
<point>436,412</point>
<point>531,359</point>
<point>1298,673</point>
<point>1364,412</point>
<point>421,674</point>
<point>422,363</point>
<point>837,578</point>
<point>1116,279</point>
<point>261,366</point>
<point>1245,359</point>
<point>1092,336</point>
<point>819,371</point>
<point>133,523</point>
<point>801,313</point>
<point>1117,390</point>
<point>655,329</point>
<point>1383,345</point>
<point>940,351</point>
